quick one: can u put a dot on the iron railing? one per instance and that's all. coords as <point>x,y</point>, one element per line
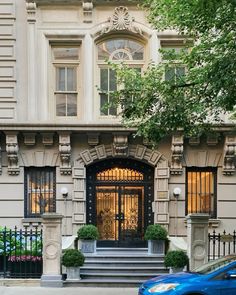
<point>20,252</point>
<point>220,245</point>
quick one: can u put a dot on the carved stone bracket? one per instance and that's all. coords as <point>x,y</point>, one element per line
<point>29,138</point>
<point>88,10</point>
<point>177,149</point>
<point>12,149</point>
<point>194,141</point>
<point>47,138</point>
<point>65,153</point>
<point>31,10</point>
<point>121,21</point>
<point>93,139</point>
<point>120,144</point>
<point>229,155</point>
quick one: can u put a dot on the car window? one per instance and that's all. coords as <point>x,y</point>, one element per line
<point>212,266</point>
<point>222,276</point>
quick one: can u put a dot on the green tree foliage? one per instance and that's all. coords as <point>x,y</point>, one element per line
<point>192,103</point>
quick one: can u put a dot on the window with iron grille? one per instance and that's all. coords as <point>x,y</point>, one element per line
<point>201,191</point>
<point>40,191</point>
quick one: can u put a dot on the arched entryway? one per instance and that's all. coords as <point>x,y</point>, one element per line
<point>119,201</point>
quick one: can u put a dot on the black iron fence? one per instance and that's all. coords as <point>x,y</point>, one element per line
<point>20,252</point>
<point>221,244</point>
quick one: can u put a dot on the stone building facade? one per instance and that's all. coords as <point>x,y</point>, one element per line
<point>63,151</point>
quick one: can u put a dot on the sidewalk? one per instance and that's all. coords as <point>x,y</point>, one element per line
<point>67,291</point>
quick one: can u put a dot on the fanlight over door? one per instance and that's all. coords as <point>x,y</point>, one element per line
<point>119,203</point>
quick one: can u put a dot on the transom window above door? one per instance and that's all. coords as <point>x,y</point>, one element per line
<point>128,51</point>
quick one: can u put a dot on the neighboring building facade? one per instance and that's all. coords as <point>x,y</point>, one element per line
<point>57,133</point>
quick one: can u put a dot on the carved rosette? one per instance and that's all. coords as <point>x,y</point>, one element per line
<point>31,10</point>
<point>120,145</point>
<point>177,149</point>
<point>121,21</point>
<point>12,154</point>
<point>65,153</point>
<point>229,155</point>
<point>87,10</point>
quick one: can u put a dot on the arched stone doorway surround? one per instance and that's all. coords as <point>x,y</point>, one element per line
<point>139,152</point>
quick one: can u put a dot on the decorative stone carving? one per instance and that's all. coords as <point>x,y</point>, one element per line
<point>65,153</point>
<point>31,10</point>
<point>47,138</point>
<point>193,141</point>
<point>212,139</point>
<point>12,153</point>
<point>229,155</point>
<point>93,139</point>
<point>177,149</point>
<point>121,21</point>
<point>29,139</point>
<point>88,10</point>
<point>120,144</point>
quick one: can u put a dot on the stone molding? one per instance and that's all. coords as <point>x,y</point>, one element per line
<point>12,150</point>
<point>87,10</point>
<point>229,155</point>
<point>141,153</point>
<point>121,20</point>
<point>177,149</point>
<point>120,144</point>
<point>29,138</point>
<point>65,153</point>
<point>31,10</point>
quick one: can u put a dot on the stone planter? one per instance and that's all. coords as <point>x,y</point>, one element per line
<point>156,247</point>
<point>73,273</point>
<point>88,246</point>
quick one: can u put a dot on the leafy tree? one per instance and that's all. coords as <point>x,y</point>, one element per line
<point>195,102</point>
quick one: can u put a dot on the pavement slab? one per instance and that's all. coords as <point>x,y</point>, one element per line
<point>67,291</point>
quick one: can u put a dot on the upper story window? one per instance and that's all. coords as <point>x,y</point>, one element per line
<point>171,52</point>
<point>40,191</point>
<point>124,50</point>
<point>201,191</point>
<point>66,62</point>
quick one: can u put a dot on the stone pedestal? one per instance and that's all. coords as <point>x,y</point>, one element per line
<point>52,232</point>
<point>197,236</point>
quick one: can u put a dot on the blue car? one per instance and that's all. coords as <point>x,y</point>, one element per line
<point>217,277</point>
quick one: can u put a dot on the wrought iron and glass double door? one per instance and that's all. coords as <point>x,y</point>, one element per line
<point>120,215</point>
<point>119,201</point>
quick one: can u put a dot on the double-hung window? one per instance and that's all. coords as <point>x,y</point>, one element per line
<point>128,51</point>
<point>66,63</point>
<point>40,191</point>
<point>170,55</point>
<point>201,191</point>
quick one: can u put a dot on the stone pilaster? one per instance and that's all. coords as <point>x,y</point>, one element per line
<point>31,27</point>
<point>197,239</point>
<point>52,245</point>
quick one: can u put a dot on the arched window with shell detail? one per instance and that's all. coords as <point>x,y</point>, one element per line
<point>121,48</point>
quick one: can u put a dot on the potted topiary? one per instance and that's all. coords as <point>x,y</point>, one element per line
<point>88,235</point>
<point>176,260</point>
<point>156,235</point>
<point>72,259</point>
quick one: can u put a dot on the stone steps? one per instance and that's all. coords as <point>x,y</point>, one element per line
<point>124,267</point>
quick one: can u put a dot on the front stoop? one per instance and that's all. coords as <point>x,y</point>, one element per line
<point>119,267</point>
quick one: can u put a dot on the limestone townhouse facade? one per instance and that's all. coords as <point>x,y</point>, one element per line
<point>63,151</point>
